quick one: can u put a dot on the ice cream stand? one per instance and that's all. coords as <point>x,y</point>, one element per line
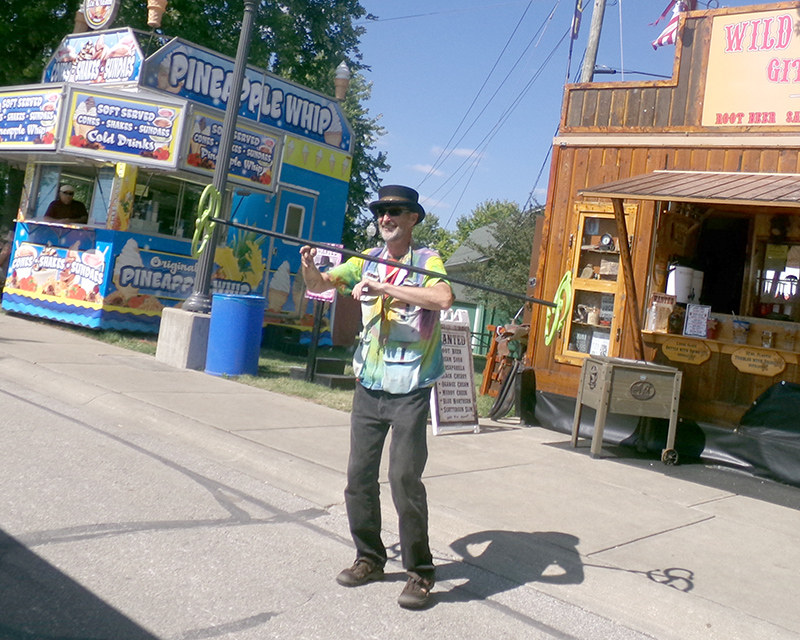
<point>133,122</point>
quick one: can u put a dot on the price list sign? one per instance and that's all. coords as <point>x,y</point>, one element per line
<point>453,402</point>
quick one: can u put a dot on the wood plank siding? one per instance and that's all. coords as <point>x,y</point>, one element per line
<point>618,130</point>
<point>718,389</point>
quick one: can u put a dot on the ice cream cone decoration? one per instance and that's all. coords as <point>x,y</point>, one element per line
<point>155,9</point>
<point>342,81</point>
<point>80,26</point>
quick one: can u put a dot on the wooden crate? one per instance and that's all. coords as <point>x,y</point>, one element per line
<point>632,387</point>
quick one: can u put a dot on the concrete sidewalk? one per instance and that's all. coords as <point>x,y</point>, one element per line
<point>671,553</point>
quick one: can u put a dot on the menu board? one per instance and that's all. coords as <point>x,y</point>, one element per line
<point>118,128</point>
<point>254,151</point>
<point>453,402</point>
<point>696,321</point>
<point>29,118</point>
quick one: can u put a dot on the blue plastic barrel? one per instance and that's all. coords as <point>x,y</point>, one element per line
<point>234,335</point>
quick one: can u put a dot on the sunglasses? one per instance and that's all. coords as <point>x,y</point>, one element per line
<point>392,212</point>
<point>68,193</point>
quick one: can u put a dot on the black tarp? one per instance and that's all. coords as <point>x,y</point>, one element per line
<point>766,443</point>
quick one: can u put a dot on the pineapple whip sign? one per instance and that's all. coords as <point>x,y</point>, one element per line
<point>753,75</point>
<point>185,70</point>
<point>29,118</point>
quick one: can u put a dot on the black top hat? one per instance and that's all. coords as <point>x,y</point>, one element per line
<point>394,195</point>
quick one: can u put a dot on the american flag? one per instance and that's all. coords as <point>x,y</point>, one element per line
<point>670,33</point>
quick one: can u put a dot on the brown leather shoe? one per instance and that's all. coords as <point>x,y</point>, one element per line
<point>363,570</point>
<point>416,593</point>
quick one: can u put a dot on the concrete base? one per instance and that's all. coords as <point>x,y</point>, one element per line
<point>183,339</point>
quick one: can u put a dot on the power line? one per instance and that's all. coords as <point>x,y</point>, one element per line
<point>437,13</point>
<point>504,117</point>
<point>539,31</point>
<point>444,151</point>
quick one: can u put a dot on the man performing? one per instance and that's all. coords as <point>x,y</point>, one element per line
<point>65,208</point>
<point>398,359</point>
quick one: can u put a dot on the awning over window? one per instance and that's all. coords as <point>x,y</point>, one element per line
<point>762,189</point>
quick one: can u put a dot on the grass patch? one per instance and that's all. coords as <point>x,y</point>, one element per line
<point>273,369</point>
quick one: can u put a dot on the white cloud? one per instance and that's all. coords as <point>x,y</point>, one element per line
<point>459,153</point>
<point>427,169</point>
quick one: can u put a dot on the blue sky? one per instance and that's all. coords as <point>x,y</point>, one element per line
<point>470,91</point>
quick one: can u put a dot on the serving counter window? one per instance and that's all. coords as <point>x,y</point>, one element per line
<point>744,266</point>
<point>50,177</point>
<point>165,205</point>
<point>160,204</point>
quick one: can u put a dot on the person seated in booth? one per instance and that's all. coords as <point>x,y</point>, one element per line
<point>65,208</point>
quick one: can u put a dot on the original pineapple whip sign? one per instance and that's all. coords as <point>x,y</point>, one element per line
<point>112,128</point>
<point>29,118</point>
<point>753,74</point>
<point>200,75</point>
<point>146,279</point>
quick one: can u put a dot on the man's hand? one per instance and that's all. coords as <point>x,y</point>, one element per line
<point>436,298</point>
<point>316,282</point>
<point>307,256</point>
<point>366,288</point>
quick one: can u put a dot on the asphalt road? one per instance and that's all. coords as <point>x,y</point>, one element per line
<point>109,532</point>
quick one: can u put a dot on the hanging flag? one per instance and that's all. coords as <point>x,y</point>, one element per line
<point>670,33</point>
<point>576,18</point>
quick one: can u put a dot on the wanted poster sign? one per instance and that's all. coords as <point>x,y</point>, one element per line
<point>453,402</point>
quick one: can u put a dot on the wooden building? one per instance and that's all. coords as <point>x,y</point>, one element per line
<point>701,175</point>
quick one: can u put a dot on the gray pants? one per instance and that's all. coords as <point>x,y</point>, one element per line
<point>374,412</point>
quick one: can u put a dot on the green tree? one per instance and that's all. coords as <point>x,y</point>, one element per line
<point>29,32</point>
<point>485,213</point>
<point>509,264</point>
<point>429,233</point>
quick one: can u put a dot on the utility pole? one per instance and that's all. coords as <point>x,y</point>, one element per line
<point>587,73</point>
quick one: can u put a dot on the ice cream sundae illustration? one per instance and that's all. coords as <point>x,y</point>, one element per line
<point>84,111</point>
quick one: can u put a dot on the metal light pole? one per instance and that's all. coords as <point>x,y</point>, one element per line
<point>200,301</point>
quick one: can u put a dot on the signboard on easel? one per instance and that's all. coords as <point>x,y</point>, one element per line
<point>453,401</point>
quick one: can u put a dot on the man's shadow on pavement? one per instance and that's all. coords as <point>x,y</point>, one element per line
<point>497,561</point>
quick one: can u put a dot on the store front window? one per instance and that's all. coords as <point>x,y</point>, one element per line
<point>777,290</point>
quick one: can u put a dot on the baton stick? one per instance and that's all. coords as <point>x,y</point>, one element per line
<point>355,254</point>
